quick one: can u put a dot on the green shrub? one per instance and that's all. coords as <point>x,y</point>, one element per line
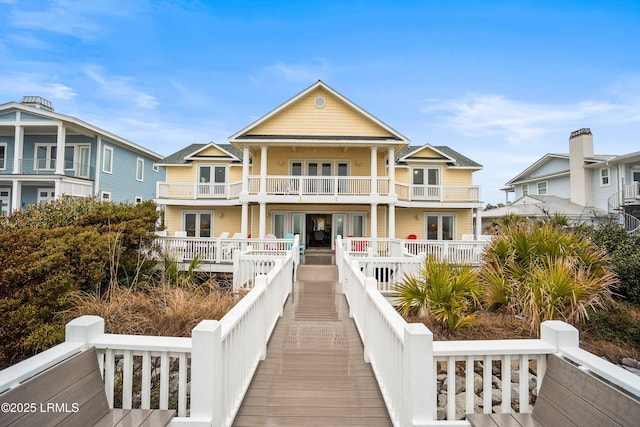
<point>442,291</point>
<point>50,250</point>
<point>543,271</point>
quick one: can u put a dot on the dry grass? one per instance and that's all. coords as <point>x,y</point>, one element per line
<point>612,335</point>
<point>162,310</point>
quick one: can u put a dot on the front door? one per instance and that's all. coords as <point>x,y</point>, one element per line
<point>5,201</point>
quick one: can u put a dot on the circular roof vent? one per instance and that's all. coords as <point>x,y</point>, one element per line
<point>319,102</point>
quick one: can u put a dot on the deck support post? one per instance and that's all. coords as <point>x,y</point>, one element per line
<point>262,228</point>
<point>206,374</point>
<point>374,221</point>
<point>417,376</point>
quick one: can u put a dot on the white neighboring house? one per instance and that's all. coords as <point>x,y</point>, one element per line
<point>581,185</point>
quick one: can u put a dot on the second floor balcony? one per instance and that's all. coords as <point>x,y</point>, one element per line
<point>343,189</point>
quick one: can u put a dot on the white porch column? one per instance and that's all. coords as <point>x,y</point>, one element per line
<point>245,170</point>
<point>478,222</point>
<point>374,171</point>
<point>60,150</point>
<point>17,152</point>
<point>262,228</point>
<point>244,220</point>
<point>16,189</point>
<point>374,221</point>
<point>392,221</point>
<point>392,172</point>
<point>263,170</point>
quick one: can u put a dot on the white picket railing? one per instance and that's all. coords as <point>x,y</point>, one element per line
<point>319,185</point>
<point>204,377</point>
<point>438,193</point>
<point>408,364</point>
<point>218,250</point>
<point>198,190</point>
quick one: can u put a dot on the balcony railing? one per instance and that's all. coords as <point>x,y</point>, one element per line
<point>320,185</point>
<point>438,193</point>
<point>197,190</point>
<point>632,192</point>
<point>47,167</point>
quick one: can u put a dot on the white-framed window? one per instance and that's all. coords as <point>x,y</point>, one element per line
<point>198,223</point>
<point>139,169</point>
<point>105,196</point>
<point>45,156</point>
<point>77,158</point>
<point>605,177</point>
<point>525,189</point>
<point>46,195</point>
<point>440,226</point>
<point>5,201</point>
<point>212,180</point>
<point>138,200</point>
<point>107,159</point>
<point>542,188</point>
<point>3,155</point>
<point>155,167</point>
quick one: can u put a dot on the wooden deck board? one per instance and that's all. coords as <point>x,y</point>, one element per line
<point>314,373</point>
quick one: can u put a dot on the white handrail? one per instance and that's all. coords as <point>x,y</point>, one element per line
<point>409,366</point>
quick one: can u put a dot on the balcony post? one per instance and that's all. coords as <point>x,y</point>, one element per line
<point>263,170</point>
<point>244,219</point>
<point>245,170</point>
<point>478,221</point>
<point>17,155</point>
<point>16,196</point>
<point>60,150</point>
<point>392,220</point>
<point>374,221</point>
<point>262,229</point>
<point>392,172</point>
<point>374,171</point>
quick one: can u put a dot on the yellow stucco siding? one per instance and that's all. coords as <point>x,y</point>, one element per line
<point>336,118</point>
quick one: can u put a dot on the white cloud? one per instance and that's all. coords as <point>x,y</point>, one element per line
<point>17,85</point>
<point>79,19</point>
<point>518,121</point>
<point>121,88</point>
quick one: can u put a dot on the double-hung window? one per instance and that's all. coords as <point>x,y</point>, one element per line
<point>604,177</point>
<point>542,188</point>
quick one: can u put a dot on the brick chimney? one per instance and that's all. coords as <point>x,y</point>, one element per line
<point>581,178</point>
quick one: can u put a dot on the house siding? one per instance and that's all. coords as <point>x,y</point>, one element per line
<point>121,182</point>
<point>336,118</point>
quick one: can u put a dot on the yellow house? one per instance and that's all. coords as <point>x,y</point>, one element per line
<point>319,166</point>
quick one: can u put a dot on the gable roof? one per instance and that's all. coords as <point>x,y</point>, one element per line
<point>189,153</point>
<point>446,154</point>
<point>76,123</point>
<point>524,176</point>
<point>385,132</point>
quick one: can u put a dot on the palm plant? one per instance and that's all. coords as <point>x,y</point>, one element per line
<point>543,271</point>
<point>441,291</point>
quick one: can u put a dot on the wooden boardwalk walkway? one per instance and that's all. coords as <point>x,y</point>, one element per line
<point>314,373</point>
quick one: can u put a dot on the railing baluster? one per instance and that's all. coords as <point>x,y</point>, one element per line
<point>146,381</point>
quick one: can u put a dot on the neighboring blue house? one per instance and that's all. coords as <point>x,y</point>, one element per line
<point>580,185</point>
<point>44,155</point>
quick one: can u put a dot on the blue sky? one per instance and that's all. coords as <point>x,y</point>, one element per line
<point>502,82</point>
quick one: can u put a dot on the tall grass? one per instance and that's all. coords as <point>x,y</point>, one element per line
<point>160,310</point>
